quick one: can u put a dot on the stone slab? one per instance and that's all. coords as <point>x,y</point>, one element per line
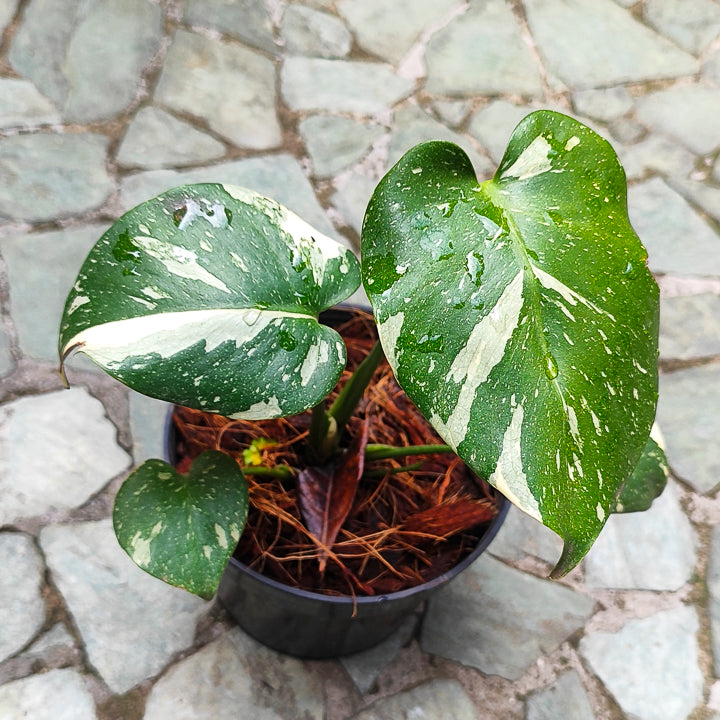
<point>660,216</point>
<point>7,363</point>
<point>277,176</point>
<point>248,20</point>
<point>42,268</point>
<point>438,699</point>
<point>706,196</point>
<point>696,127</point>
<point>595,43</point>
<point>713,585</point>
<point>565,698</point>
<point>389,29</point>
<point>493,125</point>
<point>520,536</point>
<point>689,326</point>
<point>500,620</point>
<point>366,667</point>
<point>652,550</point>
<point>55,695</point>
<point>412,125</point>
<point>156,139</point>
<point>22,608</point>
<point>341,85</point>
<point>234,674</point>
<point>48,176</point>
<point>605,104</point>
<point>657,154</point>
<point>352,197</point>
<point>65,49</point>
<point>452,112</point>
<point>687,415</point>
<point>148,419</point>
<point>692,31</point>
<point>482,52</point>
<point>651,665</point>
<point>313,33</point>
<point>57,639</point>
<point>334,143</point>
<point>56,450</point>
<point>21,105</point>
<point>711,68</point>
<point>131,623</point>
<point>7,11</point>
<point>197,77</point>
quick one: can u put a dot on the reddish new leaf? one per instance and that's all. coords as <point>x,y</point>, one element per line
<point>326,494</point>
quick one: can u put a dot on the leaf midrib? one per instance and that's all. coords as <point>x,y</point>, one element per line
<point>520,250</point>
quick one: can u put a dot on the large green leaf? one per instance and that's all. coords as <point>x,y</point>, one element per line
<point>183,528</point>
<point>208,296</point>
<point>519,315</point>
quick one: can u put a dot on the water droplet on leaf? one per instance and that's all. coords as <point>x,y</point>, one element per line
<point>251,316</point>
<point>287,340</point>
<point>631,271</point>
<point>125,248</point>
<point>475,266</point>
<point>551,367</point>
<point>381,271</point>
<point>424,344</point>
<point>178,215</point>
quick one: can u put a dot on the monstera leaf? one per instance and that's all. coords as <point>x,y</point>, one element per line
<point>208,296</point>
<point>183,528</point>
<point>520,317</point>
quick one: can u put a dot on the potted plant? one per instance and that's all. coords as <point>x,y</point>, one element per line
<point>517,314</point>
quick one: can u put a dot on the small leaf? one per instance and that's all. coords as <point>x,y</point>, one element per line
<point>520,317</point>
<point>647,481</point>
<point>253,455</point>
<point>326,494</point>
<point>183,528</point>
<point>208,296</point>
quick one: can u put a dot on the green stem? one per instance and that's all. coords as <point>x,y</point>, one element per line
<point>346,402</point>
<point>383,452</point>
<point>321,436</point>
<point>284,472</point>
<point>326,426</point>
<point>381,472</point>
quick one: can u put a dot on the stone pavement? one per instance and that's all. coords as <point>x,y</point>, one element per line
<point>104,104</point>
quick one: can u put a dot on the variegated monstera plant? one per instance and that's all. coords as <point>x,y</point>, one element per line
<point>518,314</point>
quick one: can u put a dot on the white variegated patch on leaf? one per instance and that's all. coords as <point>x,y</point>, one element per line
<point>520,317</point>
<point>208,296</point>
<point>183,528</point>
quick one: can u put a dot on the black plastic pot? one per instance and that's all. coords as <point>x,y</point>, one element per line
<point>313,625</point>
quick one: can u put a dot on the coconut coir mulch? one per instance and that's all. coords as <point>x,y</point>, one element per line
<point>405,526</point>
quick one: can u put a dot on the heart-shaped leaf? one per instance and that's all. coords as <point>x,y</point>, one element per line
<point>183,528</point>
<point>208,297</point>
<point>520,317</point>
<point>647,481</point>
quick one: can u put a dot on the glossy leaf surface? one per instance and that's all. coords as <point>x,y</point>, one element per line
<point>183,528</point>
<point>519,316</point>
<point>208,297</point>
